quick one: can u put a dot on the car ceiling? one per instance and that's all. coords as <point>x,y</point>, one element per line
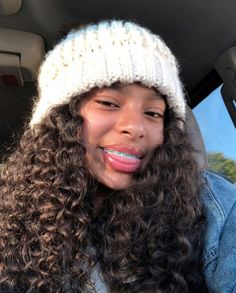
<point>197,31</point>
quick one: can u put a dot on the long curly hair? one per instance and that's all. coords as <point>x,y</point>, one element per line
<point>147,238</point>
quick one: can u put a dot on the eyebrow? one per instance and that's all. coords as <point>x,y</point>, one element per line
<point>155,95</point>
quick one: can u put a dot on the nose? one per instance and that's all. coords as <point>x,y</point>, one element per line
<point>131,124</point>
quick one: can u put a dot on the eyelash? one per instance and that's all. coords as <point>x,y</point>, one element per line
<point>109,104</point>
<point>154,114</point>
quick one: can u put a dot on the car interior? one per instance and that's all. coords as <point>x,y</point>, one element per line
<point>201,34</point>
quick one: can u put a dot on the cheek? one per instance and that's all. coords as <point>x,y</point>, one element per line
<point>157,136</point>
<point>89,123</point>
<point>84,132</point>
<point>156,139</point>
<point>161,137</point>
<point>90,130</point>
<point>97,129</point>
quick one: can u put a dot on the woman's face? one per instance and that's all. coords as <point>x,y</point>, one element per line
<point>122,126</point>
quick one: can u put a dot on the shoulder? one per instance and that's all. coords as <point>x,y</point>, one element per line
<point>219,191</point>
<point>219,199</point>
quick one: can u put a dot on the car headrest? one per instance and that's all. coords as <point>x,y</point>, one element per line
<point>196,139</point>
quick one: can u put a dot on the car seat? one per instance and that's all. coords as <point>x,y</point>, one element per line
<point>196,139</point>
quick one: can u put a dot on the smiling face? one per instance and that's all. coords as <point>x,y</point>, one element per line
<point>122,126</point>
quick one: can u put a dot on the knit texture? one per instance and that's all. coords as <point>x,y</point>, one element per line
<point>100,55</point>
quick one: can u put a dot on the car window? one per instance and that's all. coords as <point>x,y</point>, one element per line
<point>218,133</point>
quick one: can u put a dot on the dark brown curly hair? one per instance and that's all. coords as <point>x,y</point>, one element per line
<point>147,238</point>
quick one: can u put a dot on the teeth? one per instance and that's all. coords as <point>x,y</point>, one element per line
<point>121,154</point>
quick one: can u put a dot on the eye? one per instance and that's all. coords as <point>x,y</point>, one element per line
<point>154,114</point>
<point>107,104</point>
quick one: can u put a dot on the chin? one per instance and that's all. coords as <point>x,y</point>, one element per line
<point>116,186</point>
<point>119,184</point>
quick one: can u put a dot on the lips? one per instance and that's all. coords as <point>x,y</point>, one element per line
<point>123,158</point>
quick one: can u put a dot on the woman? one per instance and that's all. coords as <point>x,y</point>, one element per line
<point>103,193</point>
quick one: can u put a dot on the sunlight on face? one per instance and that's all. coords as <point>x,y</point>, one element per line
<point>122,126</point>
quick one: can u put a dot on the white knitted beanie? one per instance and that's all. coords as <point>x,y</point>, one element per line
<point>99,55</point>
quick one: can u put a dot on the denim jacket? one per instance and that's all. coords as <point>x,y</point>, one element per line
<point>219,197</point>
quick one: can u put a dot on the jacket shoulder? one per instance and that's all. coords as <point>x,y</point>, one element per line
<point>220,191</point>
<point>219,256</point>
